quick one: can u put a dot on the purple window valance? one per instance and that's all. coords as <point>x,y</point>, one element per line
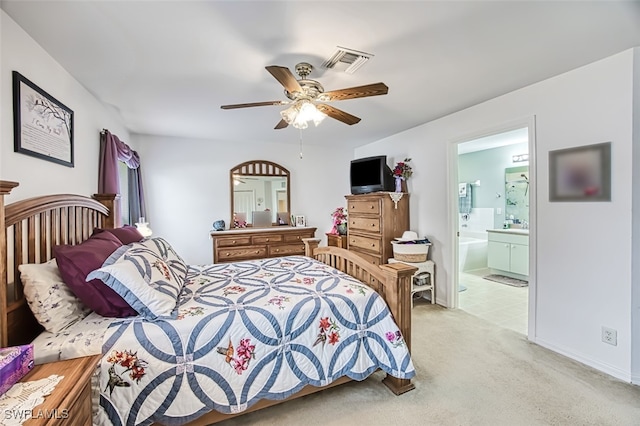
<point>113,150</point>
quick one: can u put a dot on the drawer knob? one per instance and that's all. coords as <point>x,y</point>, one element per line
<point>267,240</point>
<point>373,245</point>
<point>228,254</point>
<point>233,242</point>
<point>373,224</point>
<point>298,237</point>
<point>277,250</point>
<point>371,207</point>
<point>257,251</point>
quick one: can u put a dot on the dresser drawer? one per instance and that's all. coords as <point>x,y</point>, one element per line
<point>262,239</point>
<point>233,241</point>
<point>298,237</point>
<point>238,253</point>
<point>286,250</point>
<point>370,244</point>
<point>364,206</point>
<point>364,223</point>
<point>376,260</point>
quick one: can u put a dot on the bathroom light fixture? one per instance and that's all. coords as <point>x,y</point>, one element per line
<point>520,158</point>
<point>301,112</point>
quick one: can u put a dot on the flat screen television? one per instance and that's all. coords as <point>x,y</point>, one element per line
<point>371,174</point>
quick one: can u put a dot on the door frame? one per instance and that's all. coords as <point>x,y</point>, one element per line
<point>452,164</point>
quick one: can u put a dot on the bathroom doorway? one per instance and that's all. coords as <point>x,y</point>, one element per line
<point>493,226</point>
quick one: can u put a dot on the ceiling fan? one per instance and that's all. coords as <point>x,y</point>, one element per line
<point>307,98</point>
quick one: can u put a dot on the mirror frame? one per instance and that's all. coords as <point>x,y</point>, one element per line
<point>259,168</point>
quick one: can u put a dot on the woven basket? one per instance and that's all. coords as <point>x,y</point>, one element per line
<point>408,257</point>
<point>410,252</point>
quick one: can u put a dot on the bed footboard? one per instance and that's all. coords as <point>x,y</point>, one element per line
<point>391,281</point>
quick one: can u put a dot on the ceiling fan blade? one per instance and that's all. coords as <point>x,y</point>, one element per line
<point>285,77</point>
<point>254,104</point>
<point>281,125</point>
<point>338,114</point>
<point>356,92</point>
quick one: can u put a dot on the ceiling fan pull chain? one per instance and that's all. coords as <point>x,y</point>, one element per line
<point>300,130</point>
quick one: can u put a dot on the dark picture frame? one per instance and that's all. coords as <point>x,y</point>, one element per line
<point>42,125</point>
<point>581,173</point>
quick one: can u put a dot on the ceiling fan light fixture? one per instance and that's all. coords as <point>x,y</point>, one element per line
<point>301,112</point>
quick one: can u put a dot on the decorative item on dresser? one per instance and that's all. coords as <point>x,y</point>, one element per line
<point>375,220</point>
<point>245,244</point>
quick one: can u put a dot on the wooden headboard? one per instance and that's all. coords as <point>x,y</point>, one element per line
<point>32,228</point>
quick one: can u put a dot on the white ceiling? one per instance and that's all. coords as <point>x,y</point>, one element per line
<point>167,66</point>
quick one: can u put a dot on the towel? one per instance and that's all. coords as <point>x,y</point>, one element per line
<point>464,201</point>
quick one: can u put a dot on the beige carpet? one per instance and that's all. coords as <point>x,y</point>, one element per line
<point>469,372</point>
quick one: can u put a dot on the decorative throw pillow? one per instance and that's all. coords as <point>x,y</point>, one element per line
<point>53,304</point>
<point>127,234</point>
<point>76,262</point>
<point>148,275</point>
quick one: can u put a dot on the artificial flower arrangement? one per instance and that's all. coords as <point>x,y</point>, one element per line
<point>339,217</point>
<point>403,170</point>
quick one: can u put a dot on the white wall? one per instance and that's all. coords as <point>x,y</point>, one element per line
<point>583,249</point>
<point>21,53</point>
<point>187,185</point>
<point>635,254</point>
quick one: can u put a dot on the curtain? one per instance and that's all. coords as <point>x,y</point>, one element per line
<point>112,150</point>
<point>137,208</point>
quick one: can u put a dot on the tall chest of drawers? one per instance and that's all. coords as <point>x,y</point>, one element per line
<point>247,243</point>
<point>374,221</point>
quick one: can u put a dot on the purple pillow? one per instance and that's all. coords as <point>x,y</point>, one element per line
<point>76,262</point>
<point>127,234</point>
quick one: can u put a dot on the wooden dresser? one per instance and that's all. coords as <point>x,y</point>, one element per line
<point>248,243</point>
<point>374,221</point>
<point>337,240</point>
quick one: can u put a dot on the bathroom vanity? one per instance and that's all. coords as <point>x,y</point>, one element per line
<point>508,251</point>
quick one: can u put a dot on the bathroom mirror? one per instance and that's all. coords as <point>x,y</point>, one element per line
<point>260,195</point>
<point>517,193</point>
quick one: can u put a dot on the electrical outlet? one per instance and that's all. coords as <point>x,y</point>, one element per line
<point>610,336</point>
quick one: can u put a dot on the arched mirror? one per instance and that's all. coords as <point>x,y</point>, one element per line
<point>260,195</point>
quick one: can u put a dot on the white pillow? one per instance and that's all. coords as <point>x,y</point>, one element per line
<point>148,275</point>
<point>51,301</point>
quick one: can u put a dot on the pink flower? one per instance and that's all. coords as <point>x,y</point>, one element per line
<point>324,324</point>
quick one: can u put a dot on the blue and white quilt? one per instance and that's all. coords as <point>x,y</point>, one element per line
<point>244,332</point>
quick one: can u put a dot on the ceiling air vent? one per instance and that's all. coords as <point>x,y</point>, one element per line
<point>348,60</point>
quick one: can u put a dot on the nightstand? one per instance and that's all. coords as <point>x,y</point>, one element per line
<point>337,240</point>
<point>426,270</point>
<point>70,401</point>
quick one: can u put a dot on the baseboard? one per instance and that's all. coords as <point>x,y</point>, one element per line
<point>625,376</point>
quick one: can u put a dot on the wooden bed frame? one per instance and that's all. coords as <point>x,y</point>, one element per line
<point>34,226</point>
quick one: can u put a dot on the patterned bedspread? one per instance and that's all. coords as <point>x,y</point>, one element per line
<point>248,331</point>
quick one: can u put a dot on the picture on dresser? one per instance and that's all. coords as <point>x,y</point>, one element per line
<point>301,220</point>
